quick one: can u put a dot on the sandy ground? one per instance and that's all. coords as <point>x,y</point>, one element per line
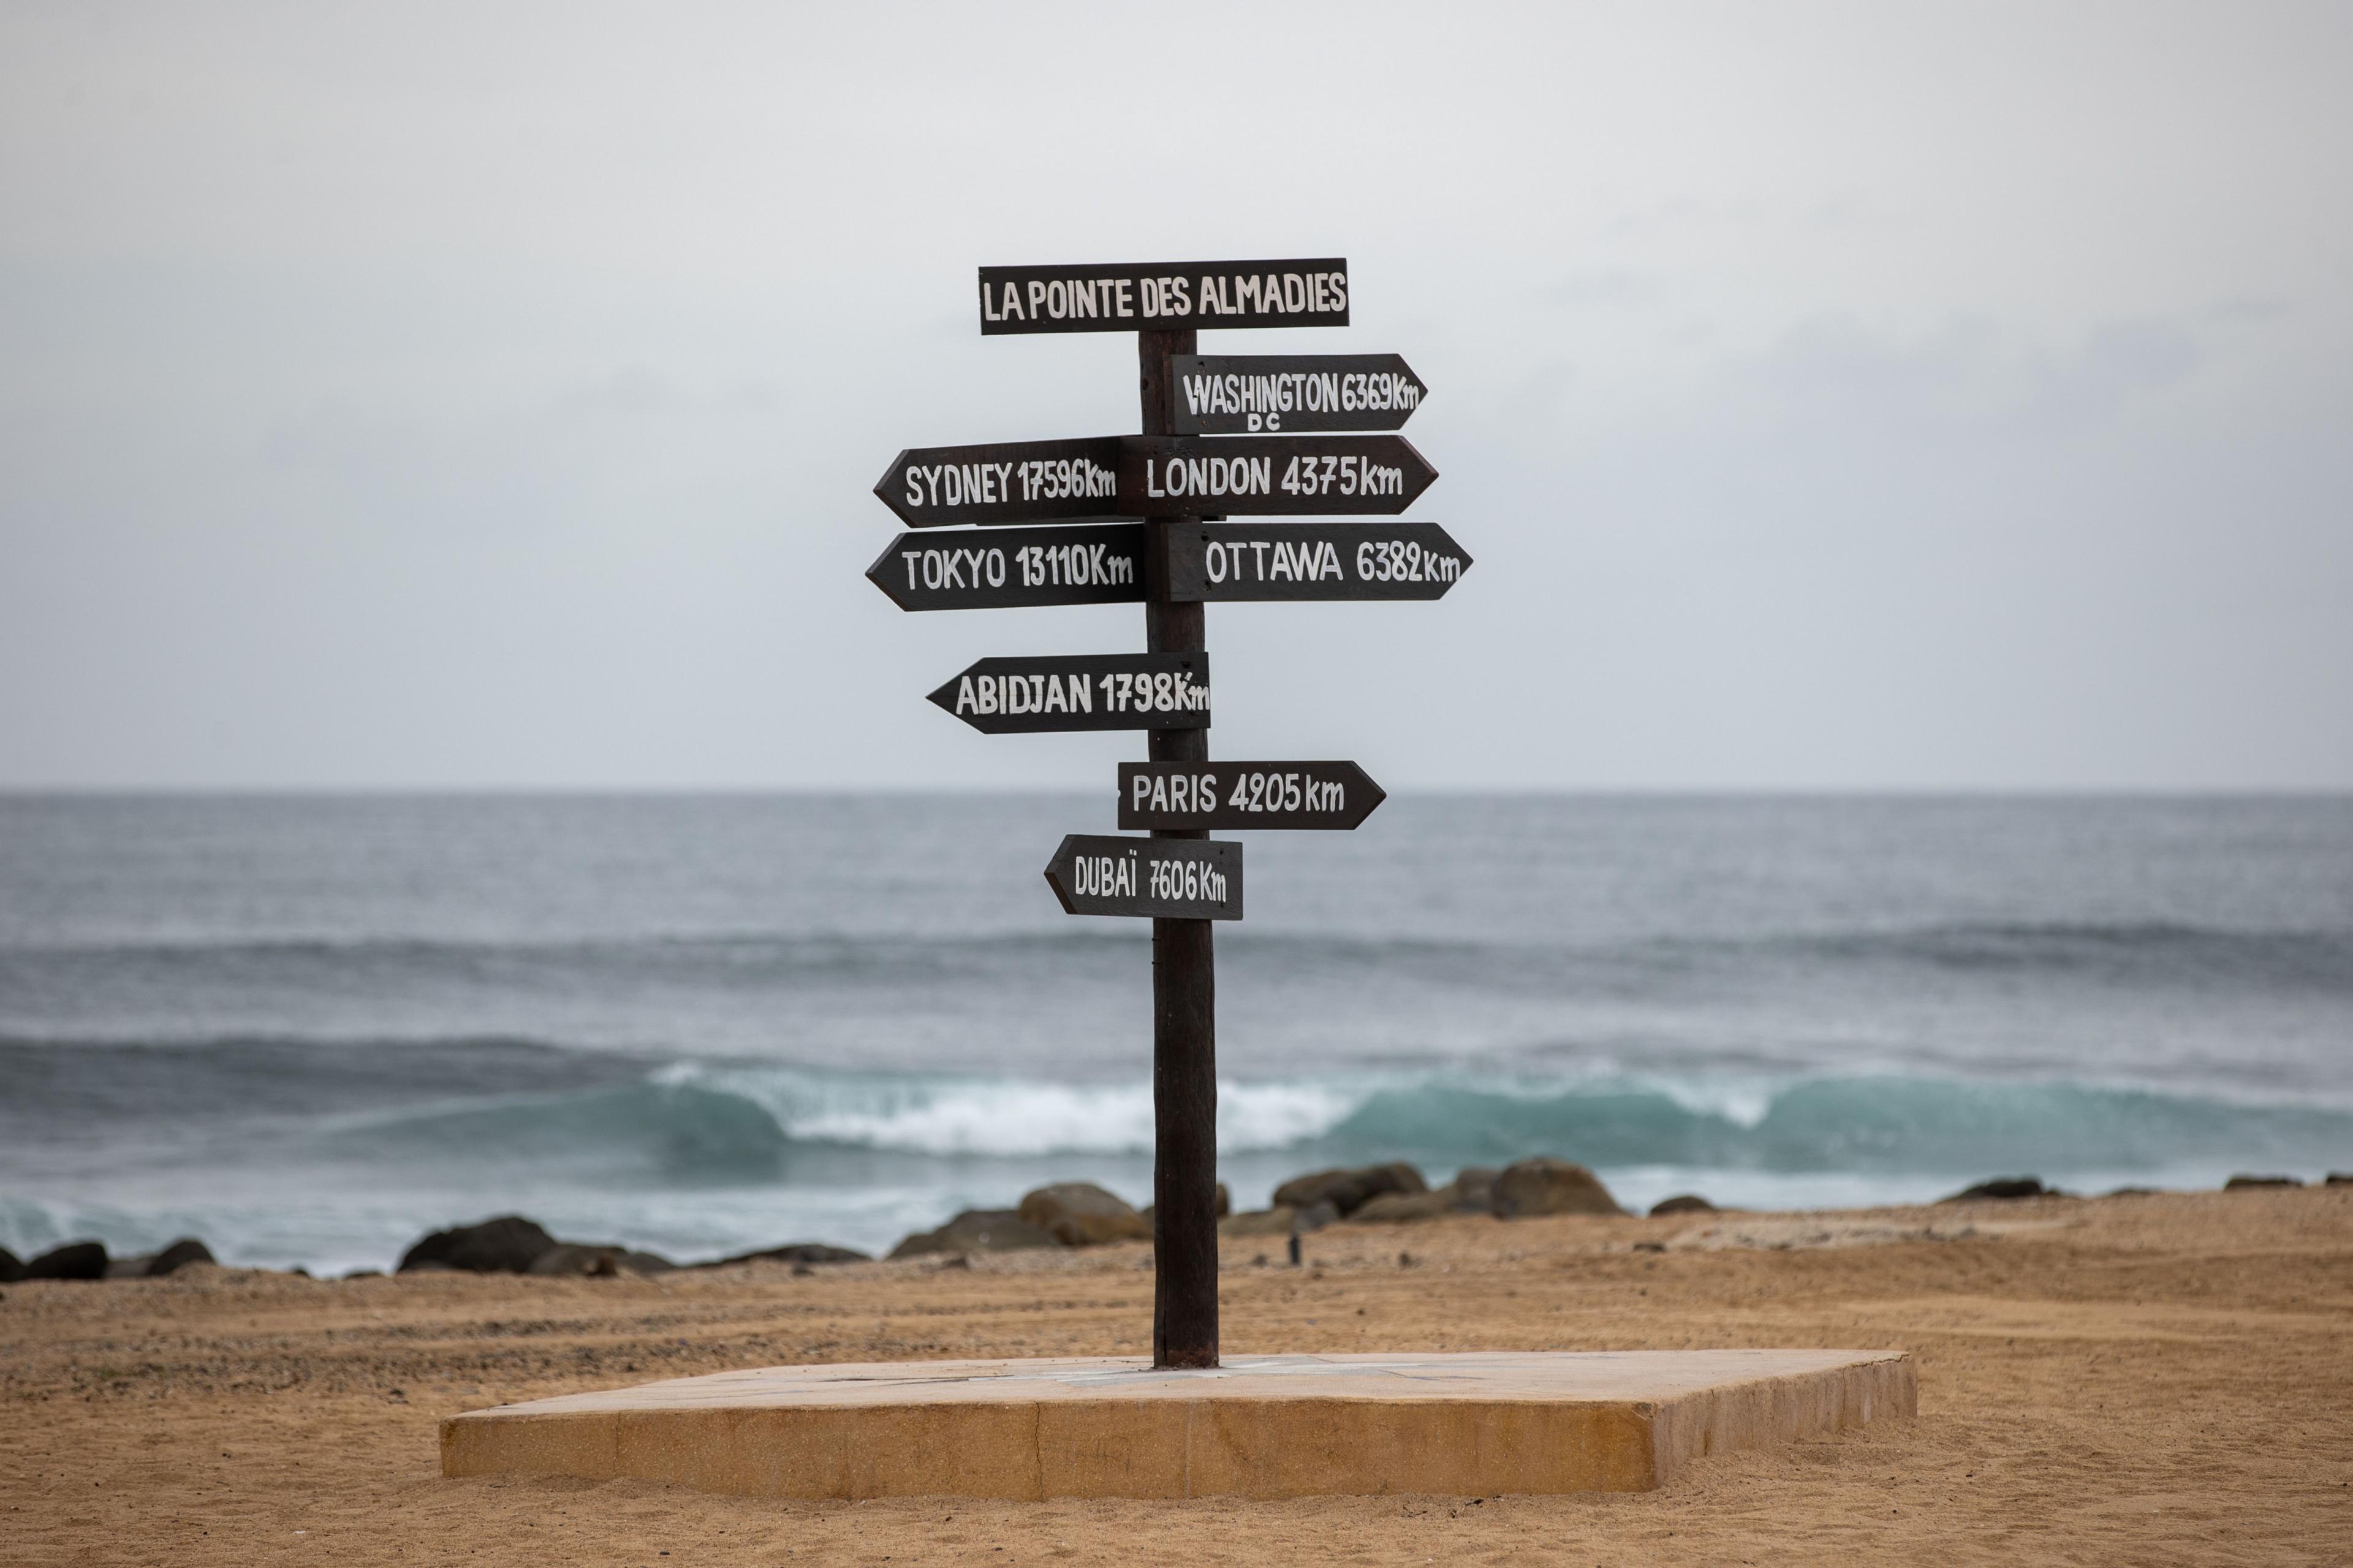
<point>2165,1379</point>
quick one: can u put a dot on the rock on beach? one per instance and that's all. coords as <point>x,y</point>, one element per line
<point>1080,1214</point>
<point>977,1230</point>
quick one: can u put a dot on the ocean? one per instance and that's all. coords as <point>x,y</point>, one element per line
<point>309,1028</point>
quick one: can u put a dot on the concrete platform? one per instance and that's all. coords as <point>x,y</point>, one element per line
<point>1260,1426</point>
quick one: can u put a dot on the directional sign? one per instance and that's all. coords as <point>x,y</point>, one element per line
<point>1232,395</point>
<point>1145,476</point>
<point>1215,561</point>
<point>1100,692</point>
<point>1165,879</point>
<point>1335,795</point>
<point>1257,475</point>
<point>1005,481</point>
<point>1012,567</point>
<point>1164,296</point>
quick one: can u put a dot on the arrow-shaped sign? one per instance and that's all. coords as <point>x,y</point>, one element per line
<point>1004,481</point>
<point>1334,795</point>
<point>1083,691</point>
<point>1215,561</point>
<point>1258,475</point>
<point>1164,878</point>
<point>1164,296</point>
<point>1009,567</point>
<point>1152,475</point>
<point>1233,394</point>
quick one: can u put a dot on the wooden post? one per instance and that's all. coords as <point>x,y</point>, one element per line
<point>1184,987</point>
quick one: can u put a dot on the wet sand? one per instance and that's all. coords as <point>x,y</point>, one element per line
<point>2153,1379</point>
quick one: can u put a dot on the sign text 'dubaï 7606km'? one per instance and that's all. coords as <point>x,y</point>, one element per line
<point>1236,394</point>
<point>1160,878</point>
<point>1141,475</point>
<point>1215,561</point>
<point>1164,796</point>
<point>1081,691</point>
<point>1013,567</point>
<point>1164,296</point>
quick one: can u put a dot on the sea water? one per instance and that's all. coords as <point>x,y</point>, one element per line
<point>308,1029</point>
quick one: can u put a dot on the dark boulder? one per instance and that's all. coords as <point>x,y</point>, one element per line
<point>977,1230</point>
<point>797,1252</point>
<point>1474,1189</point>
<point>1314,1217</point>
<point>178,1256</point>
<point>1405,1208</point>
<point>2240,1183</point>
<point>1080,1214</point>
<point>1348,1190</point>
<point>507,1244</point>
<point>11,1268</point>
<point>1259,1222</point>
<point>1545,1186</point>
<point>1682,1203</point>
<point>582,1260</point>
<point>74,1260</point>
<point>2003,1187</point>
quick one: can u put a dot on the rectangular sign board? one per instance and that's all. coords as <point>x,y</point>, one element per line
<point>1338,796</point>
<point>1162,879</point>
<point>1258,475</point>
<point>1081,691</point>
<point>1164,296</point>
<point>1239,394</point>
<point>1218,562</point>
<point>1013,568</point>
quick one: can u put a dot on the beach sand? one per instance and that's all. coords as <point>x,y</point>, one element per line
<point>2142,1379</point>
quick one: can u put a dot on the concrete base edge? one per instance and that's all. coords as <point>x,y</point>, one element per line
<point>1466,1424</point>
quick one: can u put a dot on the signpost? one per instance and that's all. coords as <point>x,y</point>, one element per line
<point>1105,691</point>
<point>1221,436</point>
<point>1013,567</point>
<point>1212,796</point>
<point>1242,395</point>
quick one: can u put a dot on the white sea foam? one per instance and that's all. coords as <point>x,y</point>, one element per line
<point>1004,1116</point>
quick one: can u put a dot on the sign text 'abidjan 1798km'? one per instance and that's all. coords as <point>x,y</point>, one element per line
<point>1163,797</point>
<point>1246,394</point>
<point>1164,296</point>
<point>1162,879</point>
<point>1081,691</point>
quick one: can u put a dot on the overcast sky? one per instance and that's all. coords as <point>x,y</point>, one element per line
<point>1832,397</point>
